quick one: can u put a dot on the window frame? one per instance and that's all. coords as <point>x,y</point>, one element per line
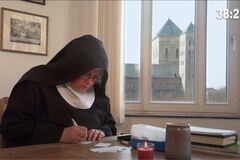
<point>199,106</point>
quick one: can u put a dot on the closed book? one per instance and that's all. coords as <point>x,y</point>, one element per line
<point>213,137</point>
<point>230,150</point>
<point>214,141</point>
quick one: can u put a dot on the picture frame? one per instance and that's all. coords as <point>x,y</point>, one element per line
<point>42,2</point>
<point>24,32</point>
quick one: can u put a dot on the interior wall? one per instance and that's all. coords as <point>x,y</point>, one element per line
<point>84,18</point>
<point>67,20</point>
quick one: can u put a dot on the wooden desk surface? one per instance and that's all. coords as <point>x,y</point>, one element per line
<point>81,151</point>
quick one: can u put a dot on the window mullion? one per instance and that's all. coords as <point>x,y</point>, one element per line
<point>233,59</point>
<point>200,50</point>
<point>146,52</point>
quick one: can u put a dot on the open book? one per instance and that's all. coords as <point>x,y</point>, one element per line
<point>213,137</point>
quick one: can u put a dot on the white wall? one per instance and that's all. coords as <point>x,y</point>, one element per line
<point>83,18</point>
<point>67,20</point>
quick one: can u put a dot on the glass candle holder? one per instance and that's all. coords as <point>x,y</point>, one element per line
<point>145,150</point>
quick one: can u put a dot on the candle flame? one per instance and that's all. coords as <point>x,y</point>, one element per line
<point>145,144</point>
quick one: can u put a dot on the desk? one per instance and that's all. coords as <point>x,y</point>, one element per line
<point>81,151</point>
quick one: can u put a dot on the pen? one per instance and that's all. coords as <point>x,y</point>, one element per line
<point>75,124</point>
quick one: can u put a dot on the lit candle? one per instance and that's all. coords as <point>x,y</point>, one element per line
<point>145,150</point>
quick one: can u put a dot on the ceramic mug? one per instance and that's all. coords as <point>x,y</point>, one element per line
<point>178,141</point>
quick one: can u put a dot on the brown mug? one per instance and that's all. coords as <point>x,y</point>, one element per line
<point>178,141</point>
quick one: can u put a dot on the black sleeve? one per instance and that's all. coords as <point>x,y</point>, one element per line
<point>25,120</point>
<point>108,126</point>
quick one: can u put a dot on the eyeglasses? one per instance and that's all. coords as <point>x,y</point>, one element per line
<point>94,75</point>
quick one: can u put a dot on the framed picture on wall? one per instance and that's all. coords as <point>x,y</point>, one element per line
<point>42,2</point>
<point>24,32</point>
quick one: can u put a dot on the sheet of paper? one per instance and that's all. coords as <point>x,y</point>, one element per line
<point>85,142</point>
<point>102,145</point>
<point>109,149</point>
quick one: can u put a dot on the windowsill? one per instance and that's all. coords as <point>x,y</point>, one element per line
<point>181,115</point>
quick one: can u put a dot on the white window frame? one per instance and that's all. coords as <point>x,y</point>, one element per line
<point>199,107</point>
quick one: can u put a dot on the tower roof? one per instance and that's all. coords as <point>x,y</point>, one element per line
<point>190,28</point>
<point>170,29</point>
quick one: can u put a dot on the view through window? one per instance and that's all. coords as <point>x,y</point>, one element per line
<point>132,34</point>
<point>216,91</point>
<point>173,54</point>
<point>179,54</point>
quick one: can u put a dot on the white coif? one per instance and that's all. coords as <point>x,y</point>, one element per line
<point>81,100</point>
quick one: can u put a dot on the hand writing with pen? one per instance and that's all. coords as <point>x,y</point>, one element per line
<point>76,134</point>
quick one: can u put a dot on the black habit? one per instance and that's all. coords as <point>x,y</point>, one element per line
<point>36,113</point>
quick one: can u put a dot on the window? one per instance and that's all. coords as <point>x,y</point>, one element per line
<point>216,91</point>
<point>132,26</point>
<point>166,53</point>
<point>172,27</point>
<point>179,57</point>
<point>177,53</point>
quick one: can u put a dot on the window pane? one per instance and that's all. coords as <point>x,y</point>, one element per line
<point>131,48</point>
<point>216,54</point>
<point>173,54</point>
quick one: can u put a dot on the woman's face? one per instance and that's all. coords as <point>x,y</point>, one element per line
<point>87,80</point>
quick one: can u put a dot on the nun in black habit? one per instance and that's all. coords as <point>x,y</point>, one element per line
<point>48,98</point>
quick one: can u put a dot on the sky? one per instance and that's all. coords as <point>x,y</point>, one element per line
<point>182,13</point>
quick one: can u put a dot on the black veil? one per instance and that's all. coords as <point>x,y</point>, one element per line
<point>77,58</point>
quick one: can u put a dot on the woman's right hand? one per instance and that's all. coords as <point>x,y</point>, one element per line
<point>73,134</point>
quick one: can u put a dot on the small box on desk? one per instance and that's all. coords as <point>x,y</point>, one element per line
<point>142,132</point>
